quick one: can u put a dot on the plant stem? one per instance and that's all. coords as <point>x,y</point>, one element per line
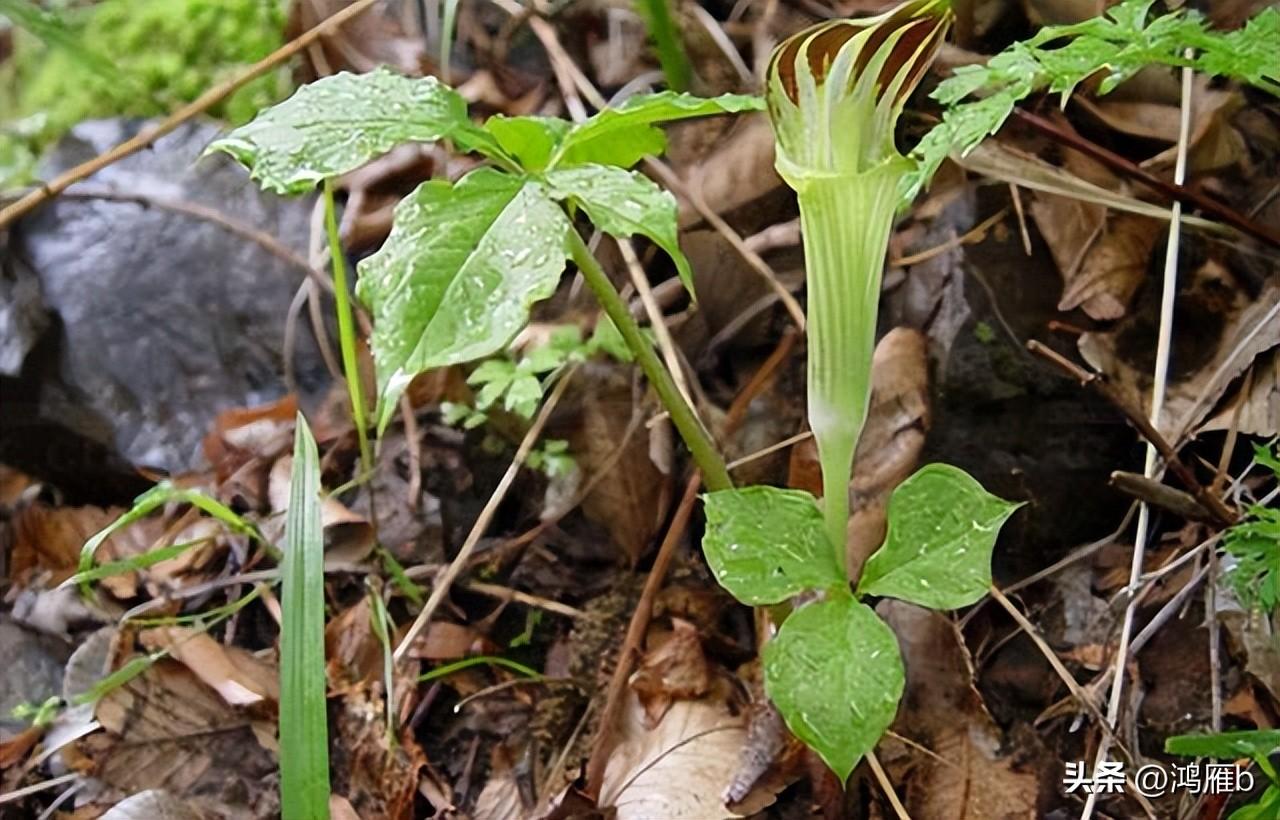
<point>346,329</point>
<point>691,430</point>
<point>845,222</point>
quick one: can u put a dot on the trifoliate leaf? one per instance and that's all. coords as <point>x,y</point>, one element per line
<point>835,674</point>
<point>937,553</point>
<point>624,135</point>
<point>766,544</point>
<point>339,123</point>
<point>622,204</point>
<point>456,278</point>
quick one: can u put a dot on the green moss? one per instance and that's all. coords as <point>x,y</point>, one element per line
<point>164,53</point>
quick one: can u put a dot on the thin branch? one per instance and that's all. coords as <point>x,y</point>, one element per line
<point>1168,294</point>
<point>1173,190</point>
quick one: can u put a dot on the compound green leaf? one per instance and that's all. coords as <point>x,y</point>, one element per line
<point>459,273</point>
<point>765,544</point>
<point>942,529</point>
<point>339,123</point>
<point>836,676</point>
<point>624,203</point>
<point>624,135</point>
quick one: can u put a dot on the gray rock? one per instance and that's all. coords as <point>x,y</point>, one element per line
<point>160,318</point>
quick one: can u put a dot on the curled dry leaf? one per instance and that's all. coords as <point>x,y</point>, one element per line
<point>1210,362</point>
<point>943,712</point>
<point>893,438</point>
<point>50,538</point>
<point>1114,267</point>
<point>675,669</point>
<point>678,770</point>
<point>348,536</point>
<point>240,678</point>
<point>1255,408</point>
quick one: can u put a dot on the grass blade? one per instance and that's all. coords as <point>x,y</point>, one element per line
<point>662,27</point>
<point>304,729</point>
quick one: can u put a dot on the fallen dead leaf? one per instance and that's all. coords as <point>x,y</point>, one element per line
<point>1113,268</point>
<point>165,729</point>
<point>240,678</point>
<point>740,171</point>
<point>1260,413</point>
<point>630,501</point>
<point>892,439</point>
<point>678,770</point>
<point>445,641</point>
<point>1246,328</point>
<point>348,536</point>
<point>675,669</point>
<point>942,710</point>
<point>376,779</point>
<point>353,653</point>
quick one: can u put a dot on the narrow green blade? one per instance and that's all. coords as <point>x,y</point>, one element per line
<point>304,729</point>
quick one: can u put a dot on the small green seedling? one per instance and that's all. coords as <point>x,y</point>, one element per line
<point>466,261</point>
<point>1254,543</point>
<point>38,714</point>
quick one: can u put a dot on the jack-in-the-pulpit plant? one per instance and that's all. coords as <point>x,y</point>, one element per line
<point>833,669</point>
<point>834,94</point>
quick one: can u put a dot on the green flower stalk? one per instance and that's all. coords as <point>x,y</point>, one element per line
<point>834,95</point>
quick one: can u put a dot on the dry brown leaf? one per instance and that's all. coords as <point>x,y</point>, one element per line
<point>240,678</point>
<point>892,440</point>
<point>631,499</point>
<point>739,171</point>
<point>348,536</point>
<point>676,669</point>
<point>1075,229</point>
<point>377,780</point>
<point>444,641</point>
<point>353,653</point>
<point>165,729</point>
<point>677,771</point>
<point>943,711</point>
<point>49,538</point>
<point>1260,413</point>
<point>1113,268</point>
<point>1248,327</point>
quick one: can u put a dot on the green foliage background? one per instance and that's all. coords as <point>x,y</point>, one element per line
<point>164,53</point>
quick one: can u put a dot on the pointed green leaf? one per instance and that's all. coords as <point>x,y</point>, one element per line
<point>456,278</point>
<point>622,204</point>
<point>766,544</point>
<point>836,676</point>
<point>304,727</point>
<point>339,123</point>
<point>531,140</point>
<point>942,529</point>
<point>624,135</point>
<point>1229,745</point>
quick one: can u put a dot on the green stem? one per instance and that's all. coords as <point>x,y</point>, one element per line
<point>696,438</point>
<point>845,221</point>
<point>346,329</point>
